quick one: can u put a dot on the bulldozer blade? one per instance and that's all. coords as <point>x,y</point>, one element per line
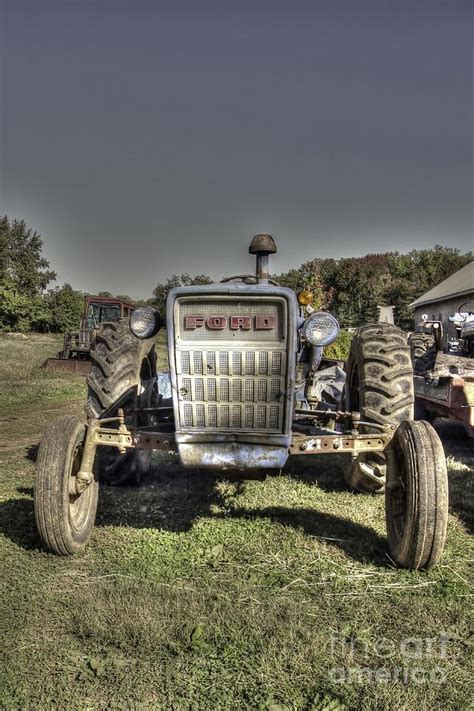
<point>73,366</point>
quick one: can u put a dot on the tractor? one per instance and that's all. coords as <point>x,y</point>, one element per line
<point>75,354</point>
<point>249,386</point>
<point>444,371</point>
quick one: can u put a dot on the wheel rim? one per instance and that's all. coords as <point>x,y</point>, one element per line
<point>79,503</point>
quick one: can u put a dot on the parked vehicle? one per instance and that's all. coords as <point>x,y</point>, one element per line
<point>249,387</point>
<point>444,374</point>
<point>75,354</point>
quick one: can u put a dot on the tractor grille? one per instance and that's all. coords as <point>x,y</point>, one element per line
<point>232,389</point>
<point>238,385</point>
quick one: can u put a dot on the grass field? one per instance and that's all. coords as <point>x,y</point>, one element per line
<point>199,593</point>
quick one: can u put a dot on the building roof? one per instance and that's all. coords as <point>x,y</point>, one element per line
<point>458,284</point>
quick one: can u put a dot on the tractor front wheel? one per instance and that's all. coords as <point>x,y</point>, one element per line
<point>64,516</point>
<point>416,496</point>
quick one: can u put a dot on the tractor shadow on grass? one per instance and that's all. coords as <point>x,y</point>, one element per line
<point>357,541</point>
<point>326,472</point>
<point>461,496</point>
<point>172,499</point>
<point>460,460</point>
<point>32,452</point>
<point>17,522</point>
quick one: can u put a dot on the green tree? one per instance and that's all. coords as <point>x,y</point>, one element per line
<point>308,277</point>
<point>353,287</point>
<point>21,312</point>
<point>22,263</point>
<point>292,279</point>
<point>413,274</point>
<point>125,297</point>
<point>161,291</point>
<point>340,348</point>
<point>359,286</point>
<point>65,307</point>
<point>24,276</point>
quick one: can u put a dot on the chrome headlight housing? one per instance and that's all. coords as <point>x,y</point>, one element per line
<point>320,329</point>
<point>145,322</point>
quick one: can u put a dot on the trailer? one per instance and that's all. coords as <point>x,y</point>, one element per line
<point>447,391</point>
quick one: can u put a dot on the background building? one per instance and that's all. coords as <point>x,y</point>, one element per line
<point>443,300</point>
<point>386,314</point>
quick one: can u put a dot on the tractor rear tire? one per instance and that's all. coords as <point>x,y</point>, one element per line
<point>423,352</point>
<point>416,499</point>
<point>379,385</point>
<point>64,519</point>
<point>122,374</point>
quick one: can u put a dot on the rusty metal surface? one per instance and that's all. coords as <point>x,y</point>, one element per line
<point>134,440</point>
<point>106,300</point>
<point>262,244</point>
<point>449,364</point>
<point>221,455</point>
<point>71,366</point>
<point>229,456</point>
<point>339,443</point>
<point>468,391</point>
<point>74,357</point>
<point>251,437</point>
<point>438,393</point>
<point>100,433</point>
<point>451,397</point>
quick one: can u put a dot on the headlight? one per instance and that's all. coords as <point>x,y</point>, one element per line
<point>320,329</point>
<point>145,322</point>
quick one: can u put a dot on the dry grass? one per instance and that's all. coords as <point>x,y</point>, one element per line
<point>204,593</point>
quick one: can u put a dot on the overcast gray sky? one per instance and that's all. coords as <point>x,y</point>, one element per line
<point>148,138</point>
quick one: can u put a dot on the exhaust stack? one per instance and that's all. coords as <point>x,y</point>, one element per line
<point>262,246</point>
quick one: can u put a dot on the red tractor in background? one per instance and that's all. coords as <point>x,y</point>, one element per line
<point>75,354</point>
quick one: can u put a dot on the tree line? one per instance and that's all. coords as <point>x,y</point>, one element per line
<point>350,287</point>
<point>26,302</point>
<point>353,287</point>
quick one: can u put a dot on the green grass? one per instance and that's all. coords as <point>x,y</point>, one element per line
<point>24,382</point>
<point>199,593</point>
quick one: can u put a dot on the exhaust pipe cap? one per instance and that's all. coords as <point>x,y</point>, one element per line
<point>262,245</point>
